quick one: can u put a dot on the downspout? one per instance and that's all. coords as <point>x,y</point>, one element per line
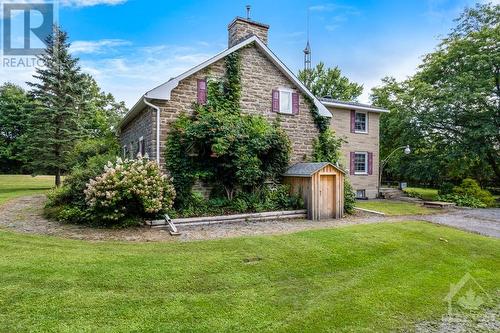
<point>157,128</point>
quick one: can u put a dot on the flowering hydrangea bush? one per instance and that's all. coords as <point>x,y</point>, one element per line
<point>129,189</point>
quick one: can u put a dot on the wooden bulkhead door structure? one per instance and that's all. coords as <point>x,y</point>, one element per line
<point>321,185</point>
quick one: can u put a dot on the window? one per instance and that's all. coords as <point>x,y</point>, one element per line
<point>285,101</point>
<point>360,194</point>
<point>360,122</point>
<point>361,163</point>
<point>142,148</point>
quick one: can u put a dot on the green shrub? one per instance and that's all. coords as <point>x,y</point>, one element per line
<point>469,194</point>
<point>267,198</point>
<point>446,188</point>
<point>127,191</point>
<point>463,200</point>
<point>470,187</point>
<point>349,197</point>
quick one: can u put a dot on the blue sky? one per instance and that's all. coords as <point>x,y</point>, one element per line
<point>130,46</point>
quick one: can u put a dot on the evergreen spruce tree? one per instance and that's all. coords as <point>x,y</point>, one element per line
<point>57,114</point>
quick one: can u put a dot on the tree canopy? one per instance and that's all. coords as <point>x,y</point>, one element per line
<point>329,82</point>
<point>14,108</point>
<point>449,111</point>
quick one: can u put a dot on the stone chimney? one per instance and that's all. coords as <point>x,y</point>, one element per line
<point>240,29</point>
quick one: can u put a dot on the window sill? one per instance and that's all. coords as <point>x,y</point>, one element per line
<point>286,113</point>
<point>360,132</point>
<point>361,173</point>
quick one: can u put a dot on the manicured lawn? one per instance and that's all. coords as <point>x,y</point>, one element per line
<point>423,193</point>
<point>377,277</point>
<point>12,186</point>
<point>395,207</point>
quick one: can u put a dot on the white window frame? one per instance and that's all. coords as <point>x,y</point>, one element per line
<point>366,122</point>
<point>290,93</point>
<point>141,146</point>
<point>124,151</point>
<point>366,163</point>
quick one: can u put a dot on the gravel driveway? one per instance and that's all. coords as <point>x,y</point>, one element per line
<point>481,221</point>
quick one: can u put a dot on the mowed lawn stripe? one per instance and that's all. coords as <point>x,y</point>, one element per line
<point>368,277</point>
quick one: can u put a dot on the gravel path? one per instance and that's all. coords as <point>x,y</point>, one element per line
<point>25,215</point>
<point>481,221</point>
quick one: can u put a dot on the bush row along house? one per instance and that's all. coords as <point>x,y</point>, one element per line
<point>269,89</point>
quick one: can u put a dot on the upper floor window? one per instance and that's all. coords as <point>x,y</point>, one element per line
<point>361,163</point>
<point>285,101</point>
<point>360,122</point>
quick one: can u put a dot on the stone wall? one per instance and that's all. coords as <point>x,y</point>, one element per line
<point>241,29</point>
<point>259,78</point>
<point>144,125</point>
<point>369,142</point>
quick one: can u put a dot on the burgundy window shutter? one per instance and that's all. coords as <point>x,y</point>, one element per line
<point>353,121</point>
<point>276,101</point>
<point>351,171</point>
<point>370,163</point>
<point>202,91</point>
<point>295,103</point>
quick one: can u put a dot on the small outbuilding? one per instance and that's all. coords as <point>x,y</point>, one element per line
<point>321,185</point>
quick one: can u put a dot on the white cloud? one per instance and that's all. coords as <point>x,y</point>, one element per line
<point>330,7</point>
<point>97,47</point>
<point>90,3</point>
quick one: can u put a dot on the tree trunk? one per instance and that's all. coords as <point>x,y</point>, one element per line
<point>58,178</point>
<point>492,160</point>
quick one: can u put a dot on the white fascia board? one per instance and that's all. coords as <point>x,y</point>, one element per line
<point>132,112</point>
<point>355,107</point>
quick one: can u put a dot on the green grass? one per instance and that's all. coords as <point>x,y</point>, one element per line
<point>422,193</point>
<point>13,186</point>
<point>377,277</point>
<point>395,207</point>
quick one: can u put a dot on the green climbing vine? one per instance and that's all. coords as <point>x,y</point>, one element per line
<point>219,145</point>
<point>326,148</point>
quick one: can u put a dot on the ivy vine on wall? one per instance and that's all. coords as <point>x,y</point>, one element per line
<point>222,146</point>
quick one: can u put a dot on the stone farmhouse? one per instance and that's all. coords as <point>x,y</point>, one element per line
<point>269,89</point>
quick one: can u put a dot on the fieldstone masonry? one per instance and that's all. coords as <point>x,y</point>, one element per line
<point>240,29</point>
<point>142,125</point>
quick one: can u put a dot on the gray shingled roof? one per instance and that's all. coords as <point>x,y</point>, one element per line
<point>307,169</point>
<point>326,99</point>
